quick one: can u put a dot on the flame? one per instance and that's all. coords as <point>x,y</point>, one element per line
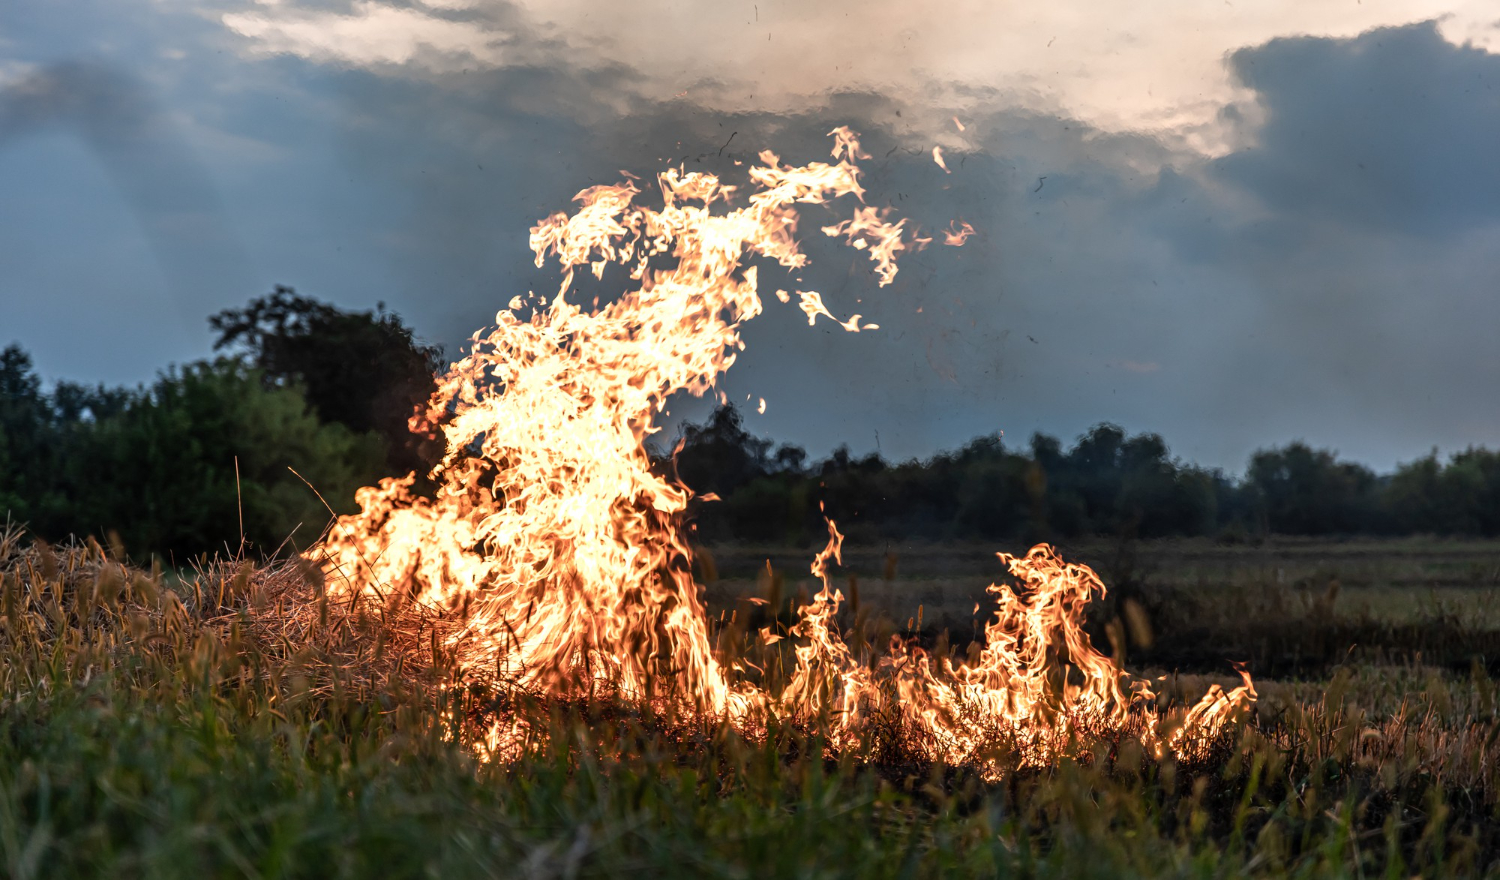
<point>811,304</point>
<point>560,549</point>
<point>937,156</point>
<point>868,230</point>
<point>957,233</point>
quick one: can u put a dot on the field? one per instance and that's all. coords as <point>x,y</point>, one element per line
<point>1288,607</point>
<point>228,722</point>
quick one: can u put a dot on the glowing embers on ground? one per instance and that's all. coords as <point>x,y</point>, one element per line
<point>556,549</point>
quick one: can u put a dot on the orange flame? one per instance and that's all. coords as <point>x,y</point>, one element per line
<point>937,156</point>
<point>561,548</point>
<point>867,229</point>
<point>957,233</point>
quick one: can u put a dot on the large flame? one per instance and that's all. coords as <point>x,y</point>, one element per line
<point>562,549</point>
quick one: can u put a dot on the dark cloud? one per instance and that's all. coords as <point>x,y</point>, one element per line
<point>1346,253</point>
<point>1395,130</point>
<point>1278,292</point>
<point>1098,254</point>
<point>113,112</point>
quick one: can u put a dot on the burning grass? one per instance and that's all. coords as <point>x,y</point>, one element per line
<point>558,550</point>
<point>234,722</point>
<point>518,671</point>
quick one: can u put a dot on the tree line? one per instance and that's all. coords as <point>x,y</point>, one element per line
<point>1106,483</point>
<point>254,449</point>
<point>248,451</point>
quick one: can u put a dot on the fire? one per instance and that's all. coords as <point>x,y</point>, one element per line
<point>560,548</point>
<point>957,233</point>
<point>937,156</point>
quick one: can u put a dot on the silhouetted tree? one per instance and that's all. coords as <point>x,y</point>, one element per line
<point>763,492</point>
<point>720,456</point>
<point>1459,498</point>
<point>25,428</point>
<point>156,464</point>
<point>364,370</point>
<point>1306,491</point>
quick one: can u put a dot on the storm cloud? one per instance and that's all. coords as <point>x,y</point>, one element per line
<point>166,186</point>
<point>1326,271</point>
<point>1393,131</point>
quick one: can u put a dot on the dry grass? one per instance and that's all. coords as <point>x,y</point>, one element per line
<point>232,721</point>
<point>1289,607</point>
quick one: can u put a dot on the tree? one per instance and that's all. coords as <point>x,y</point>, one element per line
<point>157,465</point>
<point>363,370</point>
<point>1460,498</point>
<point>989,492</point>
<point>207,447</point>
<point>26,450</point>
<point>720,456</point>
<point>763,490</point>
<point>1303,491</point>
<point>1477,471</point>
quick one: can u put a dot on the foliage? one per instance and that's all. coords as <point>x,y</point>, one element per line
<point>1460,498</point>
<point>173,469</point>
<point>174,730</point>
<point>1108,483</point>
<point>363,370</point>
<point>202,459</point>
<point>1303,491</point>
<point>156,464</point>
<point>720,456</point>
<point>177,449</point>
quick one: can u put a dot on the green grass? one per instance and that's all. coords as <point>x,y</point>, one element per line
<point>224,729</point>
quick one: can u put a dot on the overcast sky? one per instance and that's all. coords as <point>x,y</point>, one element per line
<point>1233,224</point>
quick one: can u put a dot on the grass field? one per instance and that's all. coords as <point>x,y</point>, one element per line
<point>228,723</point>
<point>1287,606</point>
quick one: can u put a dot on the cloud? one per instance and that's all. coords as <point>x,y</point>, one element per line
<point>372,33</point>
<point>1395,130</point>
<point>1156,67</point>
<point>1285,305</point>
<point>952,358</point>
<point>1281,294</point>
<point>1361,222</point>
<point>114,113</point>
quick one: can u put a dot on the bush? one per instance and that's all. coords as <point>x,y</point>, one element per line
<point>175,452</point>
<point>157,466</point>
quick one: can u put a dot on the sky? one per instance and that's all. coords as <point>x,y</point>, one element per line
<point>1234,224</point>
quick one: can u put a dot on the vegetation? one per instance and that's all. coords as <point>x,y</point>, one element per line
<point>1107,483</point>
<point>1287,607</point>
<point>363,370</point>
<point>228,455</point>
<point>210,712</point>
<point>234,723</point>
<point>331,393</point>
